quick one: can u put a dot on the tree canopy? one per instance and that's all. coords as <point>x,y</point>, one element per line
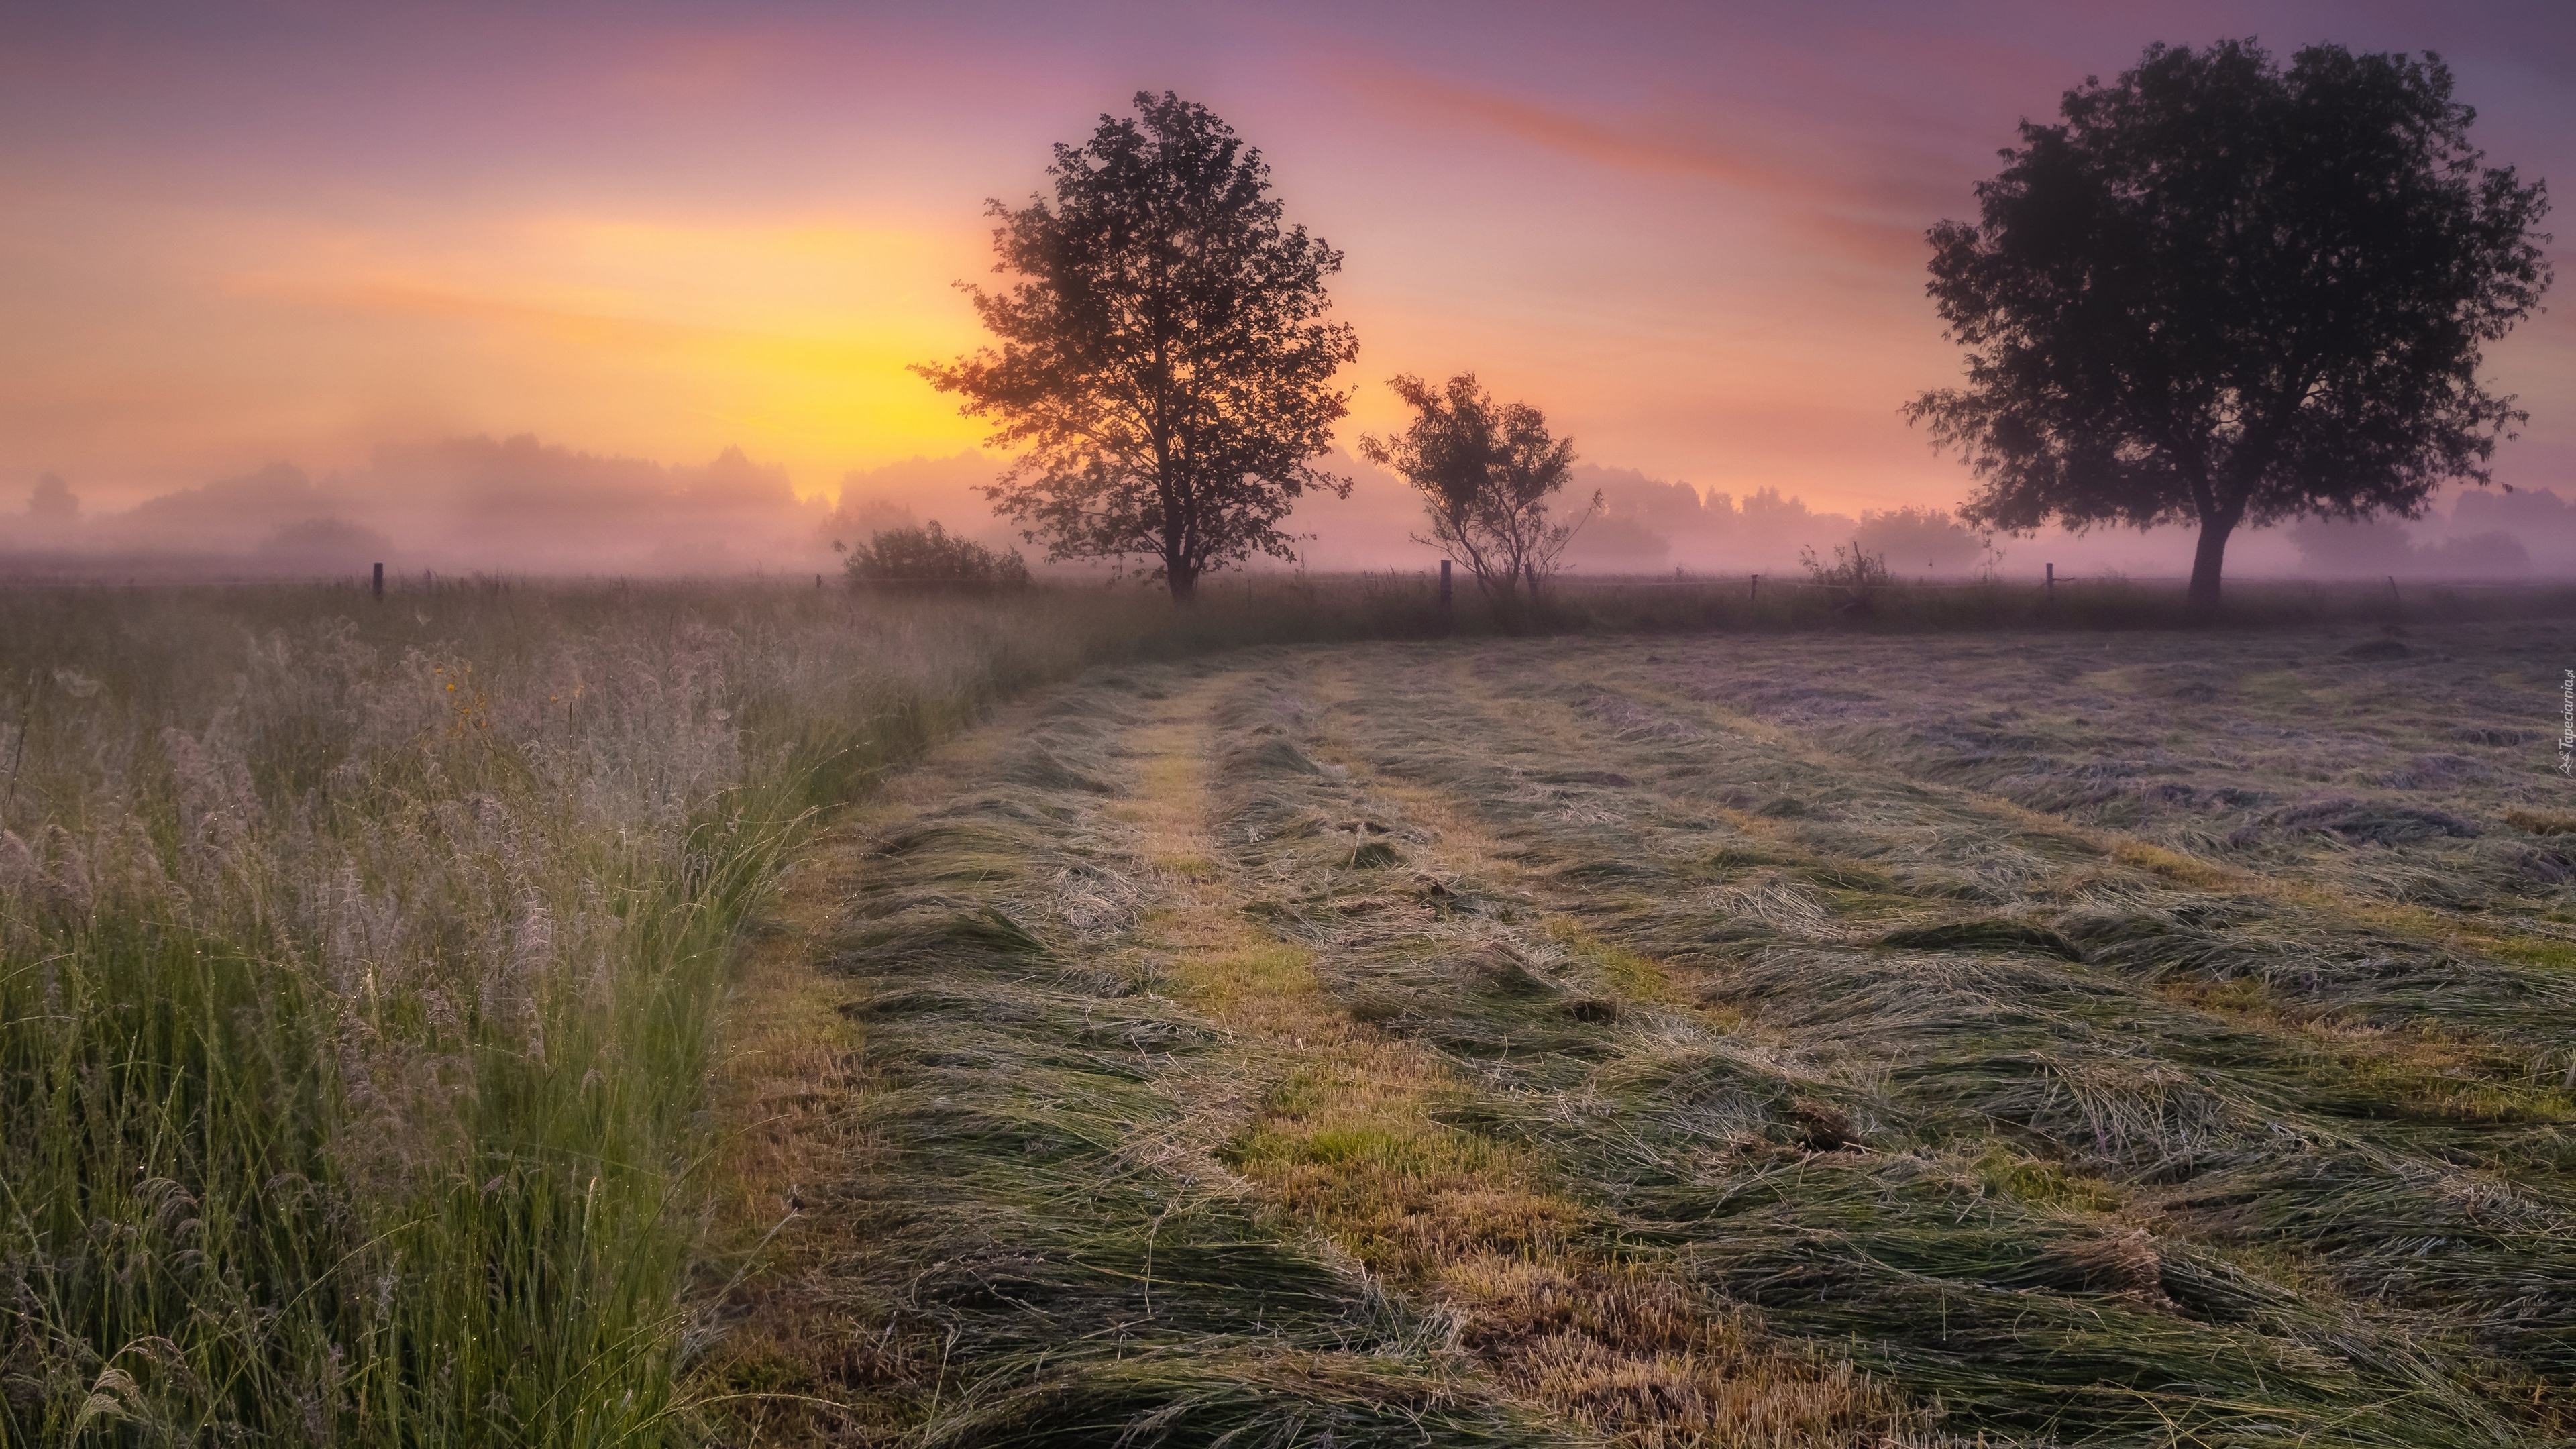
<point>2228,293</point>
<point>1486,472</point>
<point>1165,365</point>
<point>1928,537</point>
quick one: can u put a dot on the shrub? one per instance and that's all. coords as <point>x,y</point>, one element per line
<point>1854,576</point>
<point>929,559</point>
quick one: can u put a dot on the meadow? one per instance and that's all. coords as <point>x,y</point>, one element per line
<point>362,964</point>
<point>592,1014</point>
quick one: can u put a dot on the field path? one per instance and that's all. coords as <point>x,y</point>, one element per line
<point>1492,1044</point>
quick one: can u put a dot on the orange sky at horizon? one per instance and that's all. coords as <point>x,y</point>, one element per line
<point>1691,235</point>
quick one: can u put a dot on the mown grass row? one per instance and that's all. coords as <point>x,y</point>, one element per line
<point>1044,1249</point>
<point>1659,1110</point>
<point>1445,967</point>
<point>2419,770</point>
<point>1926,1109</point>
<point>1141,1175</point>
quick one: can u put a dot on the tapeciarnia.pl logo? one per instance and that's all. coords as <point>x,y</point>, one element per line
<point>2567,723</point>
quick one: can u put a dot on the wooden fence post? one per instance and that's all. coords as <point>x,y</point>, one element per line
<point>380,583</point>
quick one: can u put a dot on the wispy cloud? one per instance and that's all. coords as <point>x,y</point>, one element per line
<point>1819,201</point>
<point>596,328</point>
<point>1629,148</point>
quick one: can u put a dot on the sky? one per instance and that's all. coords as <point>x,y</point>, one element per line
<point>244,234</point>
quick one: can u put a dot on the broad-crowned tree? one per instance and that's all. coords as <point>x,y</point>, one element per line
<point>2226,293</point>
<point>1164,367</point>
<point>1486,472</point>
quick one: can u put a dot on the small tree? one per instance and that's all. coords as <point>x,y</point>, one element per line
<point>1486,472</point>
<point>2224,293</point>
<point>1165,369</point>
<point>929,559</point>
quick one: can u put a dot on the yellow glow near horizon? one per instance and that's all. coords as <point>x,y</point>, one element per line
<point>790,339</point>
<point>663,338</point>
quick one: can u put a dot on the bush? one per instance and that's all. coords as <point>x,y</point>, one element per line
<point>1854,576</point>
<point>929,559</point>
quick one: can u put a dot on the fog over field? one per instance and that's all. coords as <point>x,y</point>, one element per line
<point>524,505</point>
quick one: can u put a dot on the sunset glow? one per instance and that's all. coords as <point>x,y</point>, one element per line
<point>1694,235</point>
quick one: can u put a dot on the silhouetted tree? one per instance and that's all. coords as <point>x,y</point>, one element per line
<point>53,502</point>
<point>2225,293</point>
<point>1486,472</point>
<point>1165,368</point>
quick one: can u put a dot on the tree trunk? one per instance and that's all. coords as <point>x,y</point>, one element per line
<point>1184,582</point>
<point>2206,561</point>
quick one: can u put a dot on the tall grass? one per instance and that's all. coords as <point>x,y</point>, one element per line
<point>359,969</point>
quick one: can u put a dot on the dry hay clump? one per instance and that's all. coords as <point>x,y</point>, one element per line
<point>2541,822</point>
<point>2314,970</point>
<point>2361,822</point>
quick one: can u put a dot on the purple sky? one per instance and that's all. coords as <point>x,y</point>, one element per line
<point>1692,234</point>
